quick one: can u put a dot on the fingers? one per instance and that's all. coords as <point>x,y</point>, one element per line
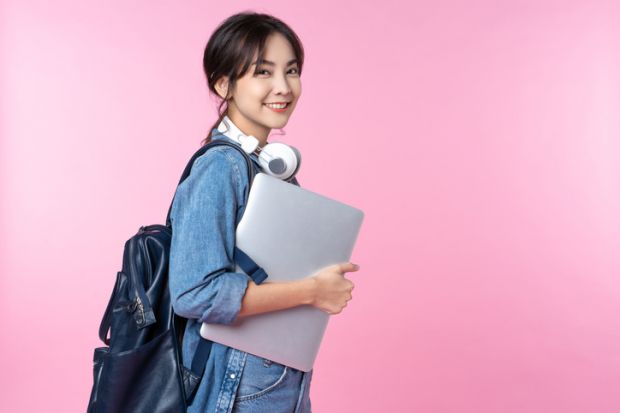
<point>348,267</point>
<point>336,289</point>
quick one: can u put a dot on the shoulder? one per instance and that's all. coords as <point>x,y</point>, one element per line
<point>221,171</point>
<point>222,162</point>
<point>215,179</point>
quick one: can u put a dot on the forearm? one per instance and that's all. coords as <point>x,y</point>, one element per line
<point>272,296</point>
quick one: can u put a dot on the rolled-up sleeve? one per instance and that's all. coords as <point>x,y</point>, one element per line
<point>202,281</point>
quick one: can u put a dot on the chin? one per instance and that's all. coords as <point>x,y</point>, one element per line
<point>278,125</point>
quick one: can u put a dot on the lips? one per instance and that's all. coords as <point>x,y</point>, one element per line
<point>282,109</point>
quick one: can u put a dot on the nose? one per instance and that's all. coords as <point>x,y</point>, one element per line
<point>281,85</point>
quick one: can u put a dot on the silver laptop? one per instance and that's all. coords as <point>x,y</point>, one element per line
<point>292,233</point>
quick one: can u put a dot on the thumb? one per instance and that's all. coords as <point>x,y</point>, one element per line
<point>348,267</point>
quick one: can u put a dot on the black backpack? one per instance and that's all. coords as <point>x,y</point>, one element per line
<point>140,369</point>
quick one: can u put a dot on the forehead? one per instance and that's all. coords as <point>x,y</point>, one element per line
<point>278,49</point>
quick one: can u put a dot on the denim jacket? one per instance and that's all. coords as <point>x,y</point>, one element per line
<point>204,288</point>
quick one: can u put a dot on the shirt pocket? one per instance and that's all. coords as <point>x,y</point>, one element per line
<point>260,376</point>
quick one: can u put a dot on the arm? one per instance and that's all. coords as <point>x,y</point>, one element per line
<point>202,281</point>
<point>328,290</point>
<point>270,296</point>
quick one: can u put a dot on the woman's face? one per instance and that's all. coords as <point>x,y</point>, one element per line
<point>275,81</point>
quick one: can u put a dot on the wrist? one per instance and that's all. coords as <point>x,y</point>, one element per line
<point>308,289</point>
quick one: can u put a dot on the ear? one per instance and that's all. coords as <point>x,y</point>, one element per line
<point>221,86</point>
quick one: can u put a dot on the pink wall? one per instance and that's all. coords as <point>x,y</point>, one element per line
<point>481,138</point>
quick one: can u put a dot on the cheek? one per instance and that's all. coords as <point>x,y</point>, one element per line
<point>296,87</point>
<point>251,101</point>
<point>251,94</point>
<point>258,92</point>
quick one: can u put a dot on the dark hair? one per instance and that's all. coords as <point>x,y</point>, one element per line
<point>232,46</point>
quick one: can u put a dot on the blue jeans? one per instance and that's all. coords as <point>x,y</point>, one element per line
<point>270,387</point>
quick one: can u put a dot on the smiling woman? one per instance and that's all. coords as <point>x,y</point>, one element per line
<point>253,63</point>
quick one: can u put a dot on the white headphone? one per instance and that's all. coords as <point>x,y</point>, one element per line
<point>276,159</point>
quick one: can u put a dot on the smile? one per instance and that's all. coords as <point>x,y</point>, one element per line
<point>278,107</point>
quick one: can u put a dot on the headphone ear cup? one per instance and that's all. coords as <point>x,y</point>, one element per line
<point>277,166</point>
<point>280,160</point>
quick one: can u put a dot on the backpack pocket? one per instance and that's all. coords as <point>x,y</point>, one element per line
<point>98,357</point>
<point>141,380</point>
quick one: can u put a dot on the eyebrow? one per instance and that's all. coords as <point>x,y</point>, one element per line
<point>268,62</point>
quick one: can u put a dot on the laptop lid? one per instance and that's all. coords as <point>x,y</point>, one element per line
<point>292,233</point>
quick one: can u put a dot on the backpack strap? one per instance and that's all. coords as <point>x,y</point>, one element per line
<point>249,266</point>
<point>106,322</point>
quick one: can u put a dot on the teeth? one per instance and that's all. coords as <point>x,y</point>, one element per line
<point>276,106</point>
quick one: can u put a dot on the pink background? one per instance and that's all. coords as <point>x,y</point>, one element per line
<point>481,138</point>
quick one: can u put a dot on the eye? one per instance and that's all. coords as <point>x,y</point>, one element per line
<point>294,71</point>
<point>260,71</point>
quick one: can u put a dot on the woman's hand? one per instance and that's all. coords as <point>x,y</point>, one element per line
<point>331,289</point>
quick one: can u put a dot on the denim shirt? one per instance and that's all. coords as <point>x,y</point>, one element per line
<point>204,288</point>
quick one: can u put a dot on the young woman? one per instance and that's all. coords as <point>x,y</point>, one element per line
<point>253,63</point>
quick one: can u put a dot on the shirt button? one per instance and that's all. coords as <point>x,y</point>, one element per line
<point>232,376</point>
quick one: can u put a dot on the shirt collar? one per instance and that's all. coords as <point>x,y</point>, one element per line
<point>229,131</point>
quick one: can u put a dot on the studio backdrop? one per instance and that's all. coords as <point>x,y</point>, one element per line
<point>480,138</point>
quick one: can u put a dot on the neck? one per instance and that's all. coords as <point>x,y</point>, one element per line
<point>248,128</point>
